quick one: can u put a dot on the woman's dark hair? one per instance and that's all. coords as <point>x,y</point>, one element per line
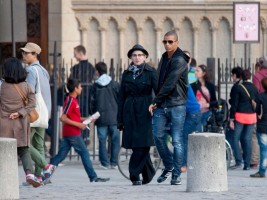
<point>13,71</point>
<point>72,84</point>
<point>246,75</point>
<point>204,69</point>
<point>101,67</point>
<point>237,71</point>
<point>264,84</point>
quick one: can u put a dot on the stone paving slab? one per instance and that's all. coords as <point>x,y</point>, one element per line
<point>70,182</point>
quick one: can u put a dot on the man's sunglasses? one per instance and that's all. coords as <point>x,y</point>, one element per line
<point>168,41</point>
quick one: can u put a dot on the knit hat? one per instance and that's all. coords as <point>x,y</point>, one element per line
<point>137,47</point>
<point>31,48</point>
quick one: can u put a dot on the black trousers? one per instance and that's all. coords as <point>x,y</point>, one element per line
<point>140,163</point>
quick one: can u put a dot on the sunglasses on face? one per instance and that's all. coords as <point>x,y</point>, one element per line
<point>168,41</point>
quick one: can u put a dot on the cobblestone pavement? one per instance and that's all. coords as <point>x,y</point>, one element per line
<point>70,182</point>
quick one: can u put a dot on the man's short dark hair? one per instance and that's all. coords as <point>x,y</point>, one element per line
<point>80,48</point>
<point>172,33</point>
<point>246,75</point>
<point>72,84</point>
<point>264,83</point>
<point>237,71</point>
<point>101,67</point>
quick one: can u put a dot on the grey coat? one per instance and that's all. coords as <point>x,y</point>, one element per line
<point>10,102</point>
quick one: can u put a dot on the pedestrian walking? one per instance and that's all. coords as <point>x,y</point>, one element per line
<point>38,78</point>
<point>72,126</point>
<point>134,120</point>
<point>169,107</point>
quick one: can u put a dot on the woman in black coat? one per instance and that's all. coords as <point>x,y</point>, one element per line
<point>134,119</point>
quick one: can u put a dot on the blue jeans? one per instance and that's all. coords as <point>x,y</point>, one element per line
<point>243,133</point>
<point>190,125</point>
<point>170,121</point>
<point>203,122</point>
<point>103,132</point>
<point>78,144</point>
<point>262,140</point>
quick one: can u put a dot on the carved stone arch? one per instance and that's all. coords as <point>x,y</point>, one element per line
<point>131,18</point>
<point>263,23</point>
<point>185,18</point>
<point>82,22</point>
<point>203,18</point>
<point>167,18</point>
<point>148,18</point>
<point>112,18</point>
<point>222,18</point>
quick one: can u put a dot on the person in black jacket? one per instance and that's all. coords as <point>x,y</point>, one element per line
<point>205,93</point>
<point>261,110</point>
<point>83,71</point>
<point>105,94</point>
<point>169,107</point>
<point>137,84</point>
<point>243,119</point>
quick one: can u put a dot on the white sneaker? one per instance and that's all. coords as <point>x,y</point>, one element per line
<point>103,167</point>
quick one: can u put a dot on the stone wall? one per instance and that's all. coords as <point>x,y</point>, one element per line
<point>108,29</point>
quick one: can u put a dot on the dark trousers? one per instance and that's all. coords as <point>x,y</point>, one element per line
<point>25,157</point>
<point>140,163</point>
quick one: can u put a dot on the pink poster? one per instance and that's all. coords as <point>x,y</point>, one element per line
<point>246,21</point>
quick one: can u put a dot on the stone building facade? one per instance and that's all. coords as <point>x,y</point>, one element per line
<point>108,29</point>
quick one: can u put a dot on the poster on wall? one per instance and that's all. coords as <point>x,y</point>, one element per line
<point>246,22</point>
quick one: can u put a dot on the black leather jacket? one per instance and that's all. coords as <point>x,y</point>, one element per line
<point>173,92</point>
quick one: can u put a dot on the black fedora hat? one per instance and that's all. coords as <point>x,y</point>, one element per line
<point>137,47</point>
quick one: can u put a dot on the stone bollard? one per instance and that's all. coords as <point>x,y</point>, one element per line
<point>207,171</point>
<point>9,178</point>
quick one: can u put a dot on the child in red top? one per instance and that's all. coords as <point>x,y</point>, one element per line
<point>72,126</point>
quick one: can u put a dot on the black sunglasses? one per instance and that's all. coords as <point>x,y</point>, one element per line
<point>168,41</point>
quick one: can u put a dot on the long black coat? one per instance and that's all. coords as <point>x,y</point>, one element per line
<point>134,99</point>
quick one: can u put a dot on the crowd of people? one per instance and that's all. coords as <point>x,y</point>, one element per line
<point>149,106</point>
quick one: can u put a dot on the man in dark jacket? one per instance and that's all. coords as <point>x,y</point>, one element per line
<point>169,107</point>
<point>105,101</point>
<point>83,71</point>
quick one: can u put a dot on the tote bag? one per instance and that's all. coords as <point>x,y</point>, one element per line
<point>41,108</point>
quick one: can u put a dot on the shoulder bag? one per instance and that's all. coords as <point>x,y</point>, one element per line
<point>41,108</point>
<point>33,115</point>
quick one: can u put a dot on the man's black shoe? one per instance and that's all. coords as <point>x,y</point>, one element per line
<point>100,180</point>
<point>164,176</point>
<point>137,182</point>
<point>176,180</point>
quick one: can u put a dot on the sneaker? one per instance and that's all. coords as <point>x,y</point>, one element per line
<point>100,180</point>
<point>236,166</point>
<point>257,175</point>
<point>103,167</point>
<point>32,180</point>
<point>176,180</point>
<point>183,168</point>
<point>47,173</point>
<point>114,167</point>
<point>164,176</point>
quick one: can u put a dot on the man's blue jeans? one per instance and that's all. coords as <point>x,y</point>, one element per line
<point>262,140</point>
<point>190,125</point>
<point>170,121</point>
<point>243,133</point>
<point>103,132</point>
<point>78,144</point>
